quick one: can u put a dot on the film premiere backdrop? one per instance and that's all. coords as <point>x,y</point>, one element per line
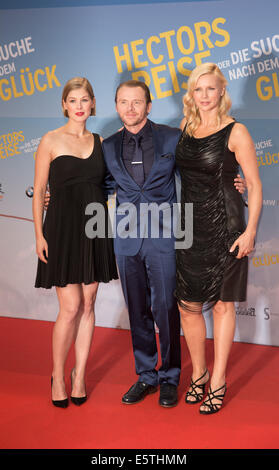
<point>41,48</point>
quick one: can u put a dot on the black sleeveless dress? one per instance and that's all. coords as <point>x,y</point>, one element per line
<point>206,272</point>
<point>73,258</point>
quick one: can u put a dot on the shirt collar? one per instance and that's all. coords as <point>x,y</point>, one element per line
<point>145,131</point>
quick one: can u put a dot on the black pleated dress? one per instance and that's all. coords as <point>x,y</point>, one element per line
<point>206,272</point>
<point>73,258</point>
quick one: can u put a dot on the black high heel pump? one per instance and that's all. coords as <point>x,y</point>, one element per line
<point>77,400</point>
<point>59,403</point>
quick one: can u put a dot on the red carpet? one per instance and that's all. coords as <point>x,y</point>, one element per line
<point>249,419</point>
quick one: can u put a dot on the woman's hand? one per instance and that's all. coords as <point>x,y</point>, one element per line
<point>245,244</point>
<point>42,249</point>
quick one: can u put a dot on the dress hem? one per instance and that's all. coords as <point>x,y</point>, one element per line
<point>76,282</point>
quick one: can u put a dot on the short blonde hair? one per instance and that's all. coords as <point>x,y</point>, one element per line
<point>190,110</point>
<point>73,84</point>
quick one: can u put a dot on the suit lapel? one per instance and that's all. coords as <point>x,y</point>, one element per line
<point>157,146</point>
<point>118,148</point>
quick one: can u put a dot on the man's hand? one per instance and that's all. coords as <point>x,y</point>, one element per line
<point>46,200</point>
<point>240,184</point>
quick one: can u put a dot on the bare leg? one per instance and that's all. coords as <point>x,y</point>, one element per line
<point>224,329</point>
<point>194,329</point>
<point>69,298</point>
<point>83,339</point>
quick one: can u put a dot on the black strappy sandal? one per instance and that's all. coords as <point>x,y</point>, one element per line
<point>213,395</point>
<point>193,390</point>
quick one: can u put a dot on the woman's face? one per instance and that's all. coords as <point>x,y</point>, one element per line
<point>207,92</point>
<point>79,104</point>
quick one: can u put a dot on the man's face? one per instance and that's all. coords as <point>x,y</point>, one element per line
<point>132,107</point>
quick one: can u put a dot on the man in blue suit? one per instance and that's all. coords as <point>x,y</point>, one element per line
<point>141,160</point>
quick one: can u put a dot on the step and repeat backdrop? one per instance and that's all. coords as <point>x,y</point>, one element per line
<point>159,43</point>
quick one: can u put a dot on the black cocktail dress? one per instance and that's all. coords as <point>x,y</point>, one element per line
<point>206,272</point>
<point>73,257</point>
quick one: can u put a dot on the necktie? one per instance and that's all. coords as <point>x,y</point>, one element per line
<point>137,162</point>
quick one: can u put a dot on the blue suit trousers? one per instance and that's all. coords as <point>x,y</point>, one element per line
<point>148,282</point>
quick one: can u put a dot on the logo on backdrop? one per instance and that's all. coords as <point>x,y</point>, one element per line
<point>258,59</point>
<point>10,144</point>
<point>267,312</point>
<point>265,153</point>
<point>273,203</point>
<point>270,313</point>
<point>14,143</point>
<point>27,81</point>
<point>268,259</point>
<point>29,191</point>
<point>250,311</point>
<point>157,61</point>
<point>165,56</point>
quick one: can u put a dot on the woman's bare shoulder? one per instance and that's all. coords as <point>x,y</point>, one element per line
<point>240,137</point>
<point>52,134</point>
<point>239,128</point>
<point>49,141</point>
<point>183,124</point>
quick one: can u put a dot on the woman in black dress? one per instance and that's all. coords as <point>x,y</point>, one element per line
<point>70,158</point>
<point>211,274</point>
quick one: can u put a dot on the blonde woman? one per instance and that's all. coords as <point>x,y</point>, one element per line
<point>213,272</point>
<point>70,158</point>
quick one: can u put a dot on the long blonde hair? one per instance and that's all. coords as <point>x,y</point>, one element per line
<point>73,84</point>
<point>190,110</point>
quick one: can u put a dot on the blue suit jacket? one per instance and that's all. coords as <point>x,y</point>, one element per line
<point>133,202</point>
